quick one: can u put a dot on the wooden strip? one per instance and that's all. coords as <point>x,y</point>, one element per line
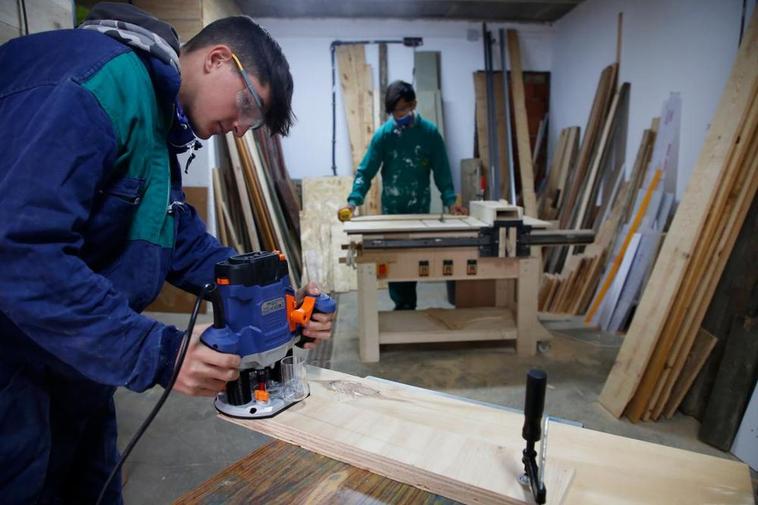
<point>591,182</point>
<point>701,349</point>
<point>546,197</point>
<point>720,234</point>
<point>605,85</point>
<point>415,436</point>
<point>682,236</point>
<point>250,233</point>
<point>268,240</point>
<point>526,170</point>
<point>568,162</point>
<point>273,212</point>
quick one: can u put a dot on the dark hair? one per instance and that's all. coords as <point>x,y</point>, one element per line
<point>395,92</point>
<point>261,56</point>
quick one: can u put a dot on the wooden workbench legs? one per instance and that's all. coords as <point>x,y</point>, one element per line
<point>368,313</point>
<point>530,329</point>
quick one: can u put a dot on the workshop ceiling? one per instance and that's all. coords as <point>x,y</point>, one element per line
<point>533,11</point>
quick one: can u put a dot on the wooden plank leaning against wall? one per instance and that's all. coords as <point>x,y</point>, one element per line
<point>733,121</point>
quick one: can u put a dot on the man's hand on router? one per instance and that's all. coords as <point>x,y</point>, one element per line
<point>205,372</point>
<point>320,325</point>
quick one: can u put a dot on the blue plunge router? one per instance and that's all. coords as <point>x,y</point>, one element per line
<point>254,316</point>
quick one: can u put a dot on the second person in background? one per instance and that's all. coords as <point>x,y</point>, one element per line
<point>408,149</point>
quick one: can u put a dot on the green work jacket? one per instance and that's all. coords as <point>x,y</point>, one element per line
<point>407,158</point>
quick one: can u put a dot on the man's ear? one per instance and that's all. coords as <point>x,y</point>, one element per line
<point>216,57</point>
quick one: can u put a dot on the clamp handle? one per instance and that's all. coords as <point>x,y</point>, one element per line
<point>534,406</point>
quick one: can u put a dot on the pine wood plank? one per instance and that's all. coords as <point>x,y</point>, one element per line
<point>472,453</point>
<point>593,176</point>
<point>272,209</point>
<point>526,170</point>
<point>250,233</point>
<point>707,265</point>
<point>546,196</point>
<point>262,218</point>
<point>603,94</point>
<point>706,262</point>
<point>682,236</point>
<point>368,317</point>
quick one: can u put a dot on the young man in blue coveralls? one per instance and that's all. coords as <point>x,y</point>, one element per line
<point>93,220</point>
<point>408,149</point>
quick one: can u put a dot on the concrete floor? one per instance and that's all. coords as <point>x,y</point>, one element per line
<point>186,444</point>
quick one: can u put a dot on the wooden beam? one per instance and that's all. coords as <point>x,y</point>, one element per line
<point>526,170</point>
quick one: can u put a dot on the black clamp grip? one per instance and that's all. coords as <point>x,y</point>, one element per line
<point>534,405</point>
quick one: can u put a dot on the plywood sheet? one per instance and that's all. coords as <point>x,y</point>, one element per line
<point>446,325</point>
<point>472,452</point>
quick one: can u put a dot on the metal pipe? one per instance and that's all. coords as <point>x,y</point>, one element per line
<point>492,137</point>
<point>507,101</point>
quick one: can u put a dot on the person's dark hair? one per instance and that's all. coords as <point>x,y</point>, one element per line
<point>396,91</point>
<point>261,56</point>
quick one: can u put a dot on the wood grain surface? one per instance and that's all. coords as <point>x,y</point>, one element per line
<point>283,474</point>
<point>471,452</point>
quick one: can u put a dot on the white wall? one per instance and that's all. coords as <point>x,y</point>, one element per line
<point>306,43</point>
<point>685,46</point>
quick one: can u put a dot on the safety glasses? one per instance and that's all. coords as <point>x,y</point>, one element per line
<point>249,102</point>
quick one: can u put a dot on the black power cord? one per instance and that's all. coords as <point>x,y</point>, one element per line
<point>180,359</point>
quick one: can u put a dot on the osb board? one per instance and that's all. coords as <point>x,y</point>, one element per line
<point>472,452</point>
<point>320,229</point>
<point>172,299</point>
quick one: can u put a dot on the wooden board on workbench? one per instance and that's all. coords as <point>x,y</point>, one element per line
<point>283,474</point>
<point>413,222</point>
<point>471,452</point>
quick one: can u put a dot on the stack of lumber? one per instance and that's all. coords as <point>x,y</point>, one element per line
<point>585,188</point>
<point>630,216</point>
<point>255,201</point>
<point>637,244</point>
<point>576,175</point>
<point>358,99</point>
<point>717,394</point>
<point>694,251</point>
